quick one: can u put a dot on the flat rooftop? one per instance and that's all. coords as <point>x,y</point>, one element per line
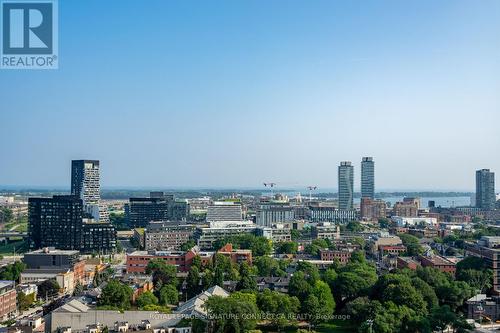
<point>52,251</point>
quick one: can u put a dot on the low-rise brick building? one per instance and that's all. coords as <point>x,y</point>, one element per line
<point>438,262</point>
<point>8,307</point>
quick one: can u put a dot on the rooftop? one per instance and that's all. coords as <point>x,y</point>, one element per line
<point>53,251</point>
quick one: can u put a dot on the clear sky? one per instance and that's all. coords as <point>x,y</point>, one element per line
<point>234,93</point>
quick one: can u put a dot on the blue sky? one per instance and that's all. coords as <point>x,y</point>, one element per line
<point>234,93</point>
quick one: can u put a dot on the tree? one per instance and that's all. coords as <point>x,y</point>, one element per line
<point>78,289</point>
<point>24,301</point>
<point>353,280</point>
<point>168,295</point>
<point>197,262</point>
<point>277,306</point>
<point>267,266</point>
<point>162,273</point>
<point>193,282</point>
<point>442,317</point>
<point>295,234</point>
<point>358,256</point>
<point>299,286</point>
<point>412,244</point>
<point>362,309</point>
<point>454,293</point>
<point>146,298</point>
<point>287,247</point>
<point>188,245</point>
<point>116,294</point>
<point>330,276</point>
<point>322,292</point>
<point>426,291</point>
<point>247,280</point>
<point>310,270</point>
<point>355,226</point>
<point>48,288</point>
<point>231,314</point>
<point>13,271</point>
<point>315,246</point>
<point>383,223</point>
<point>7,214</point>
<point>261,246</point>
<point>479,280</point>
<point>403,293</point>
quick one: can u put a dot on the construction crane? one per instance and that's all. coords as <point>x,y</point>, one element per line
<point>311,188</point>
<point>271,185</point>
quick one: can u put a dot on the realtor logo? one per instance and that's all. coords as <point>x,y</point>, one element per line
<point>29,34</point>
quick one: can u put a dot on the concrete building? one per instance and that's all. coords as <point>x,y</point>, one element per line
<point>161,235</point>
<point>346,185</point>
<point>64,266</point>
<point>85,185</point>
<point>8,305</point>
<point>320,212</point>
<point>485,189</point>
<point>367,178</point>
<point>414,221</point>
<point>75,316</point>
<point>270,213</point>
<point>277,233</point>
<point>206,236</point>
<point>224,211</point>
<point>325,230</point>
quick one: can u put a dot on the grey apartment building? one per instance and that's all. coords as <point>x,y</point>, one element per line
<point>485,189</point>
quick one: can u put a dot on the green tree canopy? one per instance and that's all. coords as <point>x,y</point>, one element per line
<point>116,294</point>
<point>146,298</point>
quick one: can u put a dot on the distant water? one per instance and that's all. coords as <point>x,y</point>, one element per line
<point>440,201</point>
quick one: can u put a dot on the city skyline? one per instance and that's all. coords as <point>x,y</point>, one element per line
<point>274,92</point>
<point>357,184</point>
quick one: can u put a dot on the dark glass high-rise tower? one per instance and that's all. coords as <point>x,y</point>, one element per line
<point>346,185</point>
<point>485,189</point>
<point>367,178</point>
